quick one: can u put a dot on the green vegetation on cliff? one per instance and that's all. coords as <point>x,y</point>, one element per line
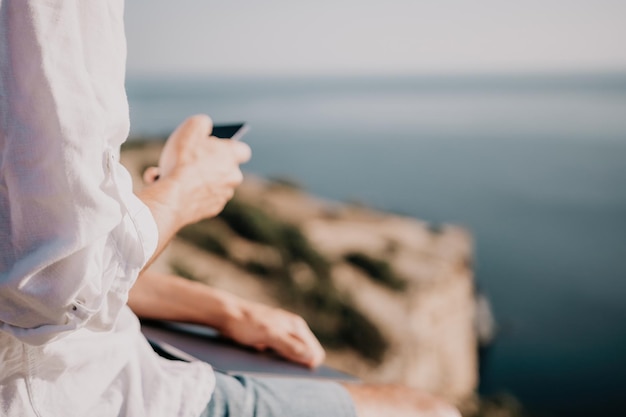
<point>377,269</point>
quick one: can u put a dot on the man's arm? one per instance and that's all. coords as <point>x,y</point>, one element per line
<point>70,228</point>
<point>168,297</point>
<point>197,177</point>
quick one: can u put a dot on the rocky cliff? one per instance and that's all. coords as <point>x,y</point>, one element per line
<point>391,298</point>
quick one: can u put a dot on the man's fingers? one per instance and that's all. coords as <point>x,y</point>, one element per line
<point>317,351</point>
<point>241,151</point>
<point>301,331</point>
<point>199,124</point>
<point>150,175</point>
<point>305,348</point>
<point>293,349</point>
<point>299,345</point>
<point>181,142</point>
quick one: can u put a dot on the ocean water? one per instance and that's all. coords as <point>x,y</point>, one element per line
<point>535,167</point>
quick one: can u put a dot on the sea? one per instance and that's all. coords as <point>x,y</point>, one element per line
<point>533,165</point>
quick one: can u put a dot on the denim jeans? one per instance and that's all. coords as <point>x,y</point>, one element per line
<point>247,396</point>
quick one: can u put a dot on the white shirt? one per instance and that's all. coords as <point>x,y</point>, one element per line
<point>73,236</point>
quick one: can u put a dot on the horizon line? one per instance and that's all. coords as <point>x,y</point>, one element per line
<point>617,73</point>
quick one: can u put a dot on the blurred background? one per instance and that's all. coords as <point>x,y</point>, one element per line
<point>508,118</point>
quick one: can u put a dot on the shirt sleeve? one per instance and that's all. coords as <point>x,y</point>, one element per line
<point>73,236</point>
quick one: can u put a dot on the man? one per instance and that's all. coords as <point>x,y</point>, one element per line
<point>74,238</point>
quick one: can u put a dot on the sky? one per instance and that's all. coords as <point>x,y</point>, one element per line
<point>366,37</point>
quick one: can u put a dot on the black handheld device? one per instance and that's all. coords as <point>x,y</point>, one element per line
<point>232,131</point>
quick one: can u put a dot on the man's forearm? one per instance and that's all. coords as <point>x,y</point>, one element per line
<point>168,297</point>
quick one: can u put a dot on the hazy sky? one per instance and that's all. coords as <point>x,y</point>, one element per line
<point>372,37</point>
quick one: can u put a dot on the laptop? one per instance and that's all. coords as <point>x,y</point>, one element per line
<point>190,342</point>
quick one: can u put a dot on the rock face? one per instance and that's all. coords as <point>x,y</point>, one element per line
<point>391,298</point>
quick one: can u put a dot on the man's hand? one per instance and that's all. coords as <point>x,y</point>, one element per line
<point>197,175</point>
<point>206,168</point>
<point>263,327</point>
<point>169,297</point>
